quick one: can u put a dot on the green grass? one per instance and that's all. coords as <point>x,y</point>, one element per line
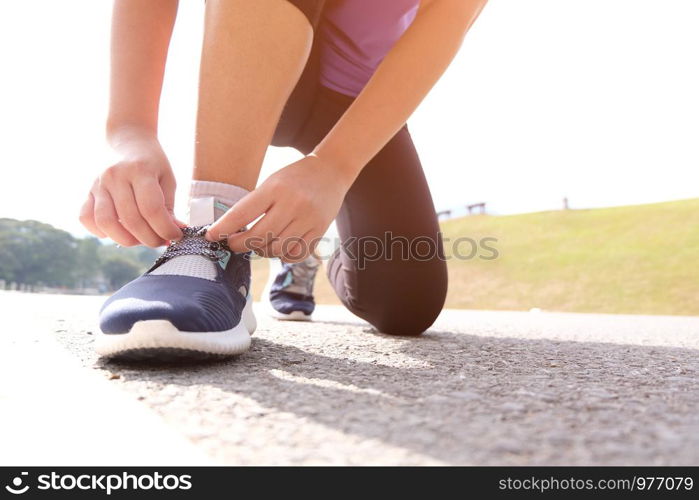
<point>640,259</point>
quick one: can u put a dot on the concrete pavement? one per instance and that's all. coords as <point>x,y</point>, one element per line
<point>500,388</point>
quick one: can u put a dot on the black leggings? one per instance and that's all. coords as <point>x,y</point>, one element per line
<point>390,269</point>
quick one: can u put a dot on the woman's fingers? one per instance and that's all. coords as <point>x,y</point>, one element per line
<point>168,185</point>
<point>107,220</point>
<point>261,235</point>
<point>130,218</point>
<point>243,213</point>
<point>274,243</point>
<point>275,235</point>
<point>151,203</point>
<point>87,217</point>
<point>312,239</point>
<point>290,246</point>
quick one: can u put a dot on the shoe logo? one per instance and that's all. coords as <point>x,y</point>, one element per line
<point>223,261</point>
<point>287,280</point>
<point>16,487</point>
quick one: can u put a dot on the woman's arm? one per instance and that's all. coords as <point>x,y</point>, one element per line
<point>402,80</point>
<point>132,200</point>
<point>141,33</point>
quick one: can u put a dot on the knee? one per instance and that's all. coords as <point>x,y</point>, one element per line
<point>408,302</point>
<point>404,322</point>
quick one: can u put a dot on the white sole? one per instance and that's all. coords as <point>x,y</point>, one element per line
<point>293,316</point>
<point>148,338</point>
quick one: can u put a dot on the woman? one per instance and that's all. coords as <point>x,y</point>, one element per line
<point>336,80</point>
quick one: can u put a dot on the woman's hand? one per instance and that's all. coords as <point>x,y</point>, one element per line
<point>298,203</point>
<point>132,201</point>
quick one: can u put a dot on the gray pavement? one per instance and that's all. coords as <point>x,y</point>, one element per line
<point>501,388</point>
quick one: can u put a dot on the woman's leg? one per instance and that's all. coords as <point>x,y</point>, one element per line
<point>253,54</point>
<point>391,271</point>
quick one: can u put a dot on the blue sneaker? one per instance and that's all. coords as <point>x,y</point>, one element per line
<point>194,303</point>
<point>291,290</point>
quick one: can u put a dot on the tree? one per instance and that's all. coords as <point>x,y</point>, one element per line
<point>33,253</point>
<point>90,261</point>
<point>119,270</point>
<point>37,253</point>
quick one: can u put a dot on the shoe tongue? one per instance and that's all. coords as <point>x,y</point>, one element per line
<point>205,210</point>
<point>202,212</point>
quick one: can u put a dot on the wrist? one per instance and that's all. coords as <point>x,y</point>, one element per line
<point>127,135</point>
<point>134,142</point>
<point>342,165</point>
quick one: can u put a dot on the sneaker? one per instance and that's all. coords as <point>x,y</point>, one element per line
<point>194,303</point>
<point>291,290</point>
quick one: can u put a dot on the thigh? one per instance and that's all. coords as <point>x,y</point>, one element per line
<point>390,194</point>
<point>301,100</point>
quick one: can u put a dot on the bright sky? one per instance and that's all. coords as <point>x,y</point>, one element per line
<point>595,100</point>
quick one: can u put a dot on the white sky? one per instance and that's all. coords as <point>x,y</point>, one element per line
<point>591,99</point>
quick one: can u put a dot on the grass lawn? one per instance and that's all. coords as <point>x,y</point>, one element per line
<point>640,259</point>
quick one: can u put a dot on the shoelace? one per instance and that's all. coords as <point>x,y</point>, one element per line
<point>194,243</point>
